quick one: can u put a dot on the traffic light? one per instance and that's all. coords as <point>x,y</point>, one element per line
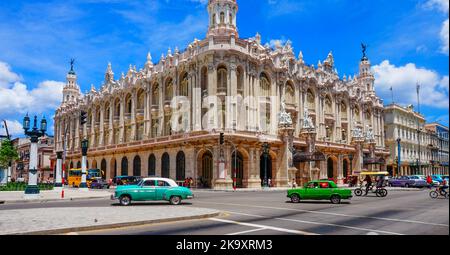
<point>222,138</point>
<point>83,117</point>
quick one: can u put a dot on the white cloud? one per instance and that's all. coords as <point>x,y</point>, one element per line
<point>444,38</point>
<point>403,79</point>
<point>442,6</point>
<point>6,75</point>
<point>14,128</point>
<point>17,99</point>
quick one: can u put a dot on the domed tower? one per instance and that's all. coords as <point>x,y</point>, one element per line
<point>71,91</point>
<point>222,18</point>
<point>365,75</point>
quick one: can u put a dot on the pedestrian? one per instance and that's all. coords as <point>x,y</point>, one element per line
<point>294,183</point>
<point>270,182</point>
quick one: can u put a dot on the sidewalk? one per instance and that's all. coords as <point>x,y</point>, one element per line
<point>43,221</point>
<point>288,188</point>
<point>51,195</point>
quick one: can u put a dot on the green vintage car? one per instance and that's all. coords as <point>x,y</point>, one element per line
<point>319,190</point>
<point>152,189</point>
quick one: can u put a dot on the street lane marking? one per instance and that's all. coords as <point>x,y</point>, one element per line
<point>329,213</point>
<point>319,223</point>
<point>245,232</point>
<point>263,226</point>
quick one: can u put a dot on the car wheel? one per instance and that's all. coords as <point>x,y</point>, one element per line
<point>358,192</point>
<point>125,200</point>
<point>295,198</point>
<point>175,200</point>
<point>335,199</point>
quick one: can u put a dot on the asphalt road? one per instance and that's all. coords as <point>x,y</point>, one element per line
<point>271,213</point>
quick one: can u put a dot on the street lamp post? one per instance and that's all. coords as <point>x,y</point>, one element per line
<point>84,149</point>
<point>399,159</point>
<point>58,180</point>
<point>351,162</point>
<point>32,189</point>
<point>266,148</point>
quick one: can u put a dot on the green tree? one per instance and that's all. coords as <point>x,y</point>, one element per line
<point>7,153</point>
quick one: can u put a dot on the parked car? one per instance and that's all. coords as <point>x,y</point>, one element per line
<point>402,181</point>
<point>125,180</point>
<point>152,189</point>
<point>437,177</point>
<point>99,184</point>
<point>418,182</point>
<point>319,190</point>
<point>435,183</point>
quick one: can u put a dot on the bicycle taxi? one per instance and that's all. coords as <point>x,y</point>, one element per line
<point>375,187</point>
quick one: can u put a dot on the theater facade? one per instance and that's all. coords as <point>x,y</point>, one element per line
<point>282,119</point>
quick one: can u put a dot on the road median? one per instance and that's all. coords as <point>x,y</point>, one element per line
<point>43,221</point>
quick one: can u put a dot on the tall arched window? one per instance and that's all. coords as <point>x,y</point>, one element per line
<point>311,100</point>
<point>165,166</point>
<point>265,85</point>
<point>184,86</point>
<point>240,81</point>
<point>181,166</point>
<point>141,100</point>
<point>155,94</point>
<point>343,110</point>
<point>129,104</point>
<point>124,168</point>
<point>169,89</point>
<point>137,166</point>
<point>117,108</point>
<point>222,80</point>
<point>204,81</point>
<point>222,18</point>
<point>328,105</point>
<point>151,165</point>
<point>103,169</point>
<point>214,19</point>
<point>290,93</point>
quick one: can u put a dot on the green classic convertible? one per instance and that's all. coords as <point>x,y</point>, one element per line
<point>319,190</point>
<point>152,189</point>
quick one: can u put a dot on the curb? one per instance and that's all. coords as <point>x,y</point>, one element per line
<point>117,225</point>
<point>50,200</point>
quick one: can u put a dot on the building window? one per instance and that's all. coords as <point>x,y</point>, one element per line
<point>222,80</point>
<point>265,85</point>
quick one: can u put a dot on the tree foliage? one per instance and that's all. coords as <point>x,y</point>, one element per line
<point>7,153</point>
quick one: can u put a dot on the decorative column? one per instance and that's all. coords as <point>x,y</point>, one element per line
<point>358,142</point>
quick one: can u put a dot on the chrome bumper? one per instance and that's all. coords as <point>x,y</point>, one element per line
<point>190,197</point>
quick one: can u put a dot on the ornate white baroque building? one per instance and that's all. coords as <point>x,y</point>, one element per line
<point>165,119</point>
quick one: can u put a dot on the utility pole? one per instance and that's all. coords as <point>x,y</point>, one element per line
<point>418,127</point>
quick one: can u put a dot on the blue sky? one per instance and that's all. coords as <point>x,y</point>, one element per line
<point>408,42</point>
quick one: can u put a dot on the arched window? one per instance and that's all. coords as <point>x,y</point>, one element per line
<point>117,108</point>
<point>265,85</point>
<point>231,19</point>
<point>141,100</point>
<point>311,100</point>
<point>328,105</point>
<point>222,18</point>
<point>155,94</point>
<point>71,165</point>
<point>222,80</point>
<point>124,169</point>
<point>356,114</point>
<point>240,81</point>
<point>204,81</point>
<point>184,86</point>
<point>214,19</point>
<point>137,166</point>
<point>165,165</point>
<point>103,169</point>
<point>129,104</point>
<point>181,166</point>
<point>290,93</point>
<point>151,165</point>
<point>169,89</point>
<point>343,110</point>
